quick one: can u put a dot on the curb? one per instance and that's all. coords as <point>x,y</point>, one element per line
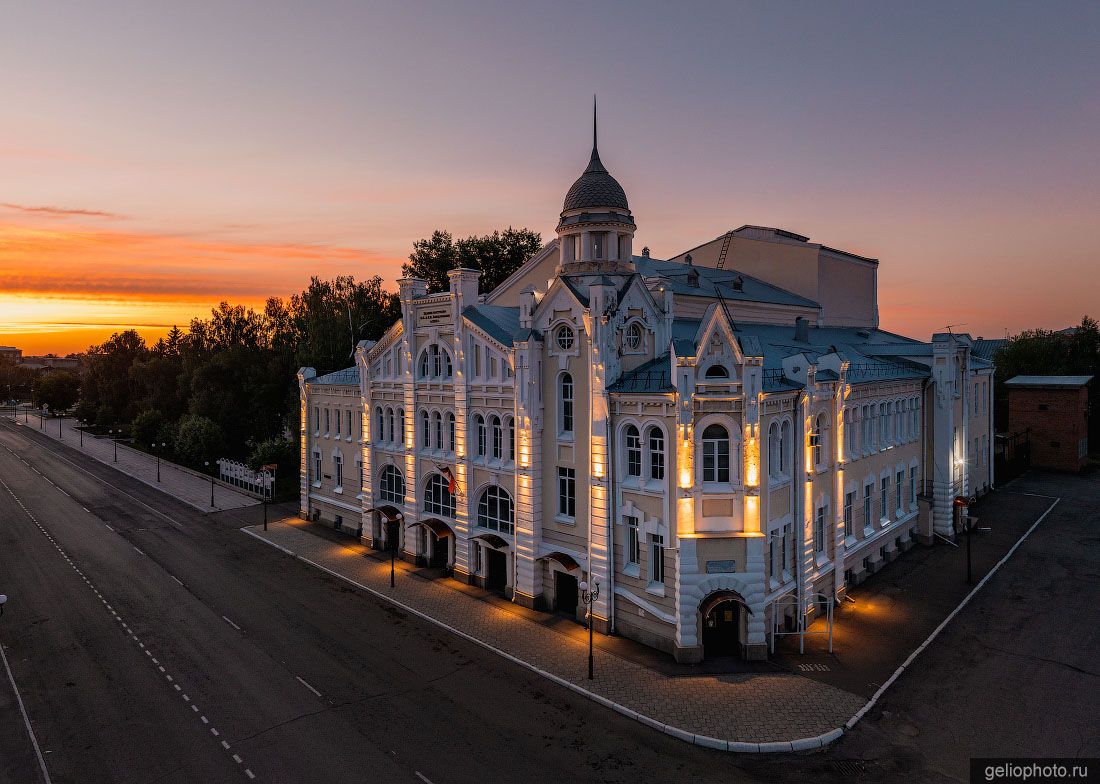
<point>801,744</point>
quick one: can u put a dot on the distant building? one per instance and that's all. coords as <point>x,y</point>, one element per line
<point>1055,412</point>
<point>51,363</point>
<point>10,354</point>
<point>719,441</point>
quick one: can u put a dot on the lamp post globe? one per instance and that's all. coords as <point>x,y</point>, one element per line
<point>3,601</point>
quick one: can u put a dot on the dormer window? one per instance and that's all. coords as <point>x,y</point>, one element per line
<point>632,337</point>
<point>565,338</point>
<point>717,372</point>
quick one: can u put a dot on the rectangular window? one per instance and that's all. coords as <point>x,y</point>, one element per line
<point>633,541</point>
<point>477,360</point>
<point>567,492</point>
<point>884,506</point>
<point>492,367</point>
<point>898,479</point>
<point>784,550</point>
<point>359,468</point>
<point>656,558</point>
<point>328,420</point>
<point>849,501</point>
<point>317,418</point>
<point>819,530</point>
<point>867,519</point>
<point>339,461</point>
<point>350,430</point>
<point>716,459</point>
<point>913,485</point>
<point>317,467</point>
<point>337,423</point>
<point>772,567</point>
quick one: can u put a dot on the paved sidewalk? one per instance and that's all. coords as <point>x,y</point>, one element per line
<point>743,712</point>
<point>184,485</point>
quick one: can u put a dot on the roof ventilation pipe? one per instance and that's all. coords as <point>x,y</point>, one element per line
<point>693,274</point>
<point>801,330</point>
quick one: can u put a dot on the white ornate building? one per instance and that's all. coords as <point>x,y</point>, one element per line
<point>718,441</point>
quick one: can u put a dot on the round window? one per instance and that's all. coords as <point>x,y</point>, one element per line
<point>632,338</point>
<point>565,338</point>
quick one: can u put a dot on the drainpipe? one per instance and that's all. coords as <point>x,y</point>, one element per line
<point>925,435</point>
<point>612,517</point>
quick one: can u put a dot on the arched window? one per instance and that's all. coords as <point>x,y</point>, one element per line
<point>817,440</point>
<point>391,485</point>
<point>391,426</point>
<point>564,338</point>
<point>450,431</point>
<point>400,426</point>
<point>633,447</point>
<point>511,439</point>
<point>498,438</point>
<point>438,498</point>
<point>882,426</point>
<point>656,454</point>
<point>716,371</point>
<point>565,403</point>
<point>496,511</point>
<point>425,430</point>
<point>435,363</point>
<point>632,337</point>
<point>773,449</point>
<point>381,434</point>
<point>785,448</point>
<point>437,422</point>
<point>716,454</point>
<point>338,461</point>
<point>479,434</point>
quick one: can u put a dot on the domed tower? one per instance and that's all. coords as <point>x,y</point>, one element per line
<point>596,230</point>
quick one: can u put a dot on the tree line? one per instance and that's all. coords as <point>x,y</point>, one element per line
<point>225,386</point>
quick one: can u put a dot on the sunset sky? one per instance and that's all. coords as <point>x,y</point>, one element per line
<point>156,158</point>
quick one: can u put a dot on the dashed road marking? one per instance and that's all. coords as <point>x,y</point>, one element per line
<point>117,617</point>
<point>235,626</point>
<point>300,680</point>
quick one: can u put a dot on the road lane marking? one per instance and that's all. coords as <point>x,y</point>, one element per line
<point>109,527</point>
<point>249,773</point>
<point>308,686</point>
<point>178,580</point>
<point>422,777</point>
<point>26,719</point>
<point>128,630</point>
<point>235,626</point>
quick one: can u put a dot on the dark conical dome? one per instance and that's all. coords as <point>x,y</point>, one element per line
<point>595,188</point>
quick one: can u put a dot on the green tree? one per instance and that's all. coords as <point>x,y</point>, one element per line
<point>198,439</point>
<point>147,426</point>
<point>496,255</point>
<point>277,451</point>
<point>58,389</point>
<point>107,383</point>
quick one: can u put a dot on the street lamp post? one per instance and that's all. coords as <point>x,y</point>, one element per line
<point>111,435</point>
<point>589,598</point>
<point>157,452</point>
<point>3,601</point>
<point>60,419</point>
<point>80,427</point>
<point>207,464</point>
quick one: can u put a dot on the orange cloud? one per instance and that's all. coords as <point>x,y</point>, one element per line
<point>60,212</point>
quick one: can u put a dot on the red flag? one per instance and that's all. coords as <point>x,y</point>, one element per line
<point>452,483</point>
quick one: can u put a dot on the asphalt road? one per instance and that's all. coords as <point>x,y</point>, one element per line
<point>307,680</point>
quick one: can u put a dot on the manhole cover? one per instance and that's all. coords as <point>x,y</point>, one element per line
<point>849,767</point>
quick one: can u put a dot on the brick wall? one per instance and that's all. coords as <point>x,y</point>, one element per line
<point>1057,419</point>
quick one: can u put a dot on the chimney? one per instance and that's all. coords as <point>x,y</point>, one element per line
<point>738,283</point>
<point>801,330</point>
<point>693,274</point>
<point>645,252</point>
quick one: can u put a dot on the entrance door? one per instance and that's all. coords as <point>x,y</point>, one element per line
<point>496,570</point>
<point>565,593</point>
<point>439,552</point>
<point>393,533</point>
<point>722,630</point>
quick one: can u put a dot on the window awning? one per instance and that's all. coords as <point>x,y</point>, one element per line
<point>565,560</point>
<point>492,540</point>
<point>436,526</point>
<point>389,512</point>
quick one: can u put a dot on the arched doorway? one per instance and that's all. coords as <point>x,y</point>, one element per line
<point>435,548</point>
<point>386,530</point>
<point>722,615</point>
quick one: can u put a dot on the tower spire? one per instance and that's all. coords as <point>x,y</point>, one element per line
<point>595,146</point>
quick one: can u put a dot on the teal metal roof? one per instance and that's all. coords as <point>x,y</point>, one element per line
<point>500,322</point>
<point>730,284</point>
<point>347,376</point>
<point>652,377</point>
